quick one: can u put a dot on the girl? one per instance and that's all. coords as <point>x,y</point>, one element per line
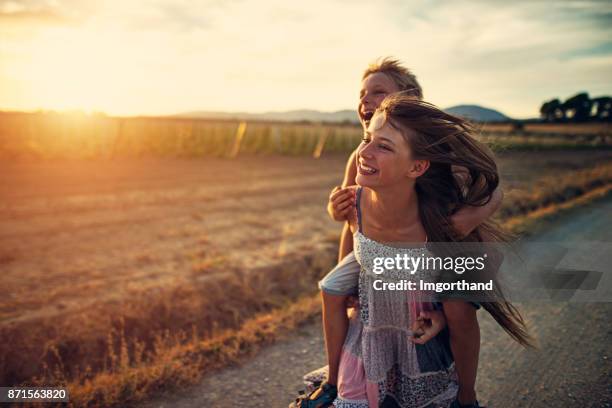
<point>408,192</point>
<point>380,79</point>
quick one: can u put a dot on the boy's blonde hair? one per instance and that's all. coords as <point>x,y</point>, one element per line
<point>404,79</point>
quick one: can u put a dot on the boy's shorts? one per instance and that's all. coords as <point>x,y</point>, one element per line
<point>343,279</point>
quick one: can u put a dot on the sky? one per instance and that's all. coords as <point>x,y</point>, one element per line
<point>159,57</point>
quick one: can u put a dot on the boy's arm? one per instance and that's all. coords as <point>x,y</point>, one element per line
<point>468,218</point>
<point>350,172</point>
<point>346,242</point>
<point>465,346</point>
<point>341,199</point>
<point>338,206</point>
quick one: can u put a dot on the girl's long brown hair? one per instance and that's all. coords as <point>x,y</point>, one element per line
<point>462,172</point>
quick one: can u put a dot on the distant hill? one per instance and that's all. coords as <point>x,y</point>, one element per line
<point>473,112</point>
<point>477,113</point>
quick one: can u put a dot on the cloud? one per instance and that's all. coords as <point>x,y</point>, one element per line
<point>163,56</point>
<point>30,11</point>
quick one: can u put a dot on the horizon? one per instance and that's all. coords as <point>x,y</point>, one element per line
<point>201,113</point>
<point>163,58</point>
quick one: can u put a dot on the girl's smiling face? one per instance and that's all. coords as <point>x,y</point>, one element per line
<point>384,157</point>
<point>374,88</point>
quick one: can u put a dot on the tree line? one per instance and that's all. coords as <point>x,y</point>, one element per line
<point>578,108</point>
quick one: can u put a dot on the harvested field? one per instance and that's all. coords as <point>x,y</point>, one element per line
<point>99,259</point>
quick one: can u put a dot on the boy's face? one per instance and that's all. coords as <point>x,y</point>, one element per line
<point>374,88</point>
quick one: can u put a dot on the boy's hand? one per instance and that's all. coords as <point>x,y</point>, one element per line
<point>352,302</point>
<point>427,326</point>
<point>341,202</point>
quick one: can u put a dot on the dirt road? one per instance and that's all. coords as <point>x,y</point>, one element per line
<point>571,368</point>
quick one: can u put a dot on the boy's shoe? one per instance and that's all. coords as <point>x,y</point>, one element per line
<point>321,397</point>
<point>315,378</point>
<point>456,404</point>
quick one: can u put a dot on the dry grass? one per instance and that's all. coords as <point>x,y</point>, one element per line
<point>114,353</point>
<point>70,136</point>
<point>183,359</point>
<point>557,128</point>
<point>546,136</point>
<point>554,190</point>
<point>526,223</point>
<point>83,345</point>
<point>74,136</point>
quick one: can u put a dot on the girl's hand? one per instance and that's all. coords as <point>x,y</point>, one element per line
<point>427,326</point>
<point>341,202</point>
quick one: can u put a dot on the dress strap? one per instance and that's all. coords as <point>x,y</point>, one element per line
<point>358,206</point>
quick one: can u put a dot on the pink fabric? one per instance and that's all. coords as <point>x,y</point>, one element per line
<point>352,383</point>
<point>372,390</point>
<point>351,377</point>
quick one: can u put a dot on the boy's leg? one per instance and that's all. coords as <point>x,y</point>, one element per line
<point>336,287</point>
<point>335,326</point>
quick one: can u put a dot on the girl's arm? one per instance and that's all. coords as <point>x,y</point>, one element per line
<point>465,346</point>
<point>468,218</point>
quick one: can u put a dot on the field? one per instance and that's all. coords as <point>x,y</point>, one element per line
<point>145,252</point>
<point>111,265</point>
<point>80,136</point>
<point>551,128</point>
